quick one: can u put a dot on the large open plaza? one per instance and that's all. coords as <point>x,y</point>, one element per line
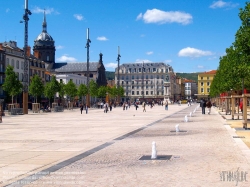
<point>114,149</point>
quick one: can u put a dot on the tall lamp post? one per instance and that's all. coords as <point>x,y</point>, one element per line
<point>118,67</point>
<point>26,64</point>
<point>87,46</point>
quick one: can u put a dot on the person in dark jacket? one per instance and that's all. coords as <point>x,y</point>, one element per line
<point>203,106</point>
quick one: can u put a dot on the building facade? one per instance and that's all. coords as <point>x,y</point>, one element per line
<point>190,89</point>
<point>149,81</point>
<point>2,70</point>
<point>204,82</point>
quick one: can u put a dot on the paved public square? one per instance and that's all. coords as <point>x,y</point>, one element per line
<point>104,149</point>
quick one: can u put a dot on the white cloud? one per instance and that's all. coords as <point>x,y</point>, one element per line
<point>66,58</point>
<point>38,10</point>
<point>167,61</point>
<point>111,65</point>
<point>102,38</point>
<point>79,17</point>
<point>149,53</point>
<point>161,17</point>
<point>192,52</point>
<point>223,4</point>
<point>7,10</point>
<point>141,61</point>
<point>59,47</point>
<point>200,67</point>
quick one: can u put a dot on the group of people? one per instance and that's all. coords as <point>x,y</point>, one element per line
<point>205,104</point>
<point>84,107</point>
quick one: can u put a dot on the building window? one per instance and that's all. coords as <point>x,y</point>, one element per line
<point>146,92</point>
<point>201,78</point>
<point>154,69</point>
<point>152,92</point>
<point>132,87</point>
<point>47,58</point>
<point>133,93</point>
<point>22,65</point>
<point>201,83</point>
<point>202,90</point>
<point>141,92</point>
<point>17,64</point>
<point>207,78</point>
<point>208,83</point>
<point>152,77</point>
<point>208,90</point>
<point>7,61</point>
<point>133,82</point>
<point>12,63</point>
<point>139,69</point>
<point>137,92</point>
<point>135,70</point>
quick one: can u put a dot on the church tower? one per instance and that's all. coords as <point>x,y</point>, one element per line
<point>44,45</point>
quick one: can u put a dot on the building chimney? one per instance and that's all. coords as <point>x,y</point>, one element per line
<point>28,51</point>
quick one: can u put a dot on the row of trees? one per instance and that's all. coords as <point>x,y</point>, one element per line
<point>233,72</point>
<point>14,87</point>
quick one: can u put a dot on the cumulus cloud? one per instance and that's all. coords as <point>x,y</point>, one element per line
<point>141,61</point>
<point>7,10</point>
<point>111,65</point>
<point>149,52</point>
<point>38,10</point>
<point>223,4</point>
<point>167,61</point>
<point>192,52</point>
<point>161,17</point>
<point>79,17</point>
<point>66,58</point>
<point>102,38</point>
<point>200,67</point>
<point>59,47</point>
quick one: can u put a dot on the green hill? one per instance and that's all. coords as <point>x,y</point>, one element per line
<point>189,76</point>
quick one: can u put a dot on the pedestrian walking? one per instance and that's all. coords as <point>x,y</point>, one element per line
<point>166,105</point>
<point>106,107</point>
<point>110,107</point>
<point>126,106</point>
<point>203,106</point>
<point>136,106</point>
<point>209,105</point>
<point>81,108</point>
<point>144,106</point>
<point>86,108</point>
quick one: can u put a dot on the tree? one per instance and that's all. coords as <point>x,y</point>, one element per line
<point>102,91</point>
<point>61,91</point>
<point>70,89</point>
<point>82,91</point>
<point>93,88</point>
<point>11,84</point>
<point>54,86</point>
<point>120,91</point>
<point>36,87</point>
<point>48,92</point>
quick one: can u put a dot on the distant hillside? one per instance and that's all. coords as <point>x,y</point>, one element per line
<point>110,75</point>
<point>191,76</point>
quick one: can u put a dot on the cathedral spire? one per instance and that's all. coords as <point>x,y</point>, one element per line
<point>44,22</point>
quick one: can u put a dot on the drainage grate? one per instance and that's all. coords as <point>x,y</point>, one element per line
<point>159,157</point>
<point>179,131</point>
<point>238,136</point>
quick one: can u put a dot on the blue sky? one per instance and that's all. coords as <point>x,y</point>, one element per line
<point>190,35</point>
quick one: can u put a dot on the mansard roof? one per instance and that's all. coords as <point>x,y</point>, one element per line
<point>74,66</point>
<point>146,65</point>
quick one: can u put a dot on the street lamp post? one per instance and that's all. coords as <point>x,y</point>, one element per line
<point>87,46</point>
<point>26,64</point>
<point>118,67</point>
<point>143,80</point>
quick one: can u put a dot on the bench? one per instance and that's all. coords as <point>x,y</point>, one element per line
<point>58,109</point>
<point>16,111</point>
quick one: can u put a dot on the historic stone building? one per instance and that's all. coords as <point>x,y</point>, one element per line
<point>151,81</point>
<point>44,49</point>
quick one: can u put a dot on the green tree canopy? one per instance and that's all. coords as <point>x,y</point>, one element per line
<point>70,89</point>
<point>36,87</point>
<point>102,91</point>
<point>11,83</point>
<point>82,91</point>
<point>93,88</point>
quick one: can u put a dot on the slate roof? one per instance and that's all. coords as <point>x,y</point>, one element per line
<point>135,65</point>
<point>74,67</point>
